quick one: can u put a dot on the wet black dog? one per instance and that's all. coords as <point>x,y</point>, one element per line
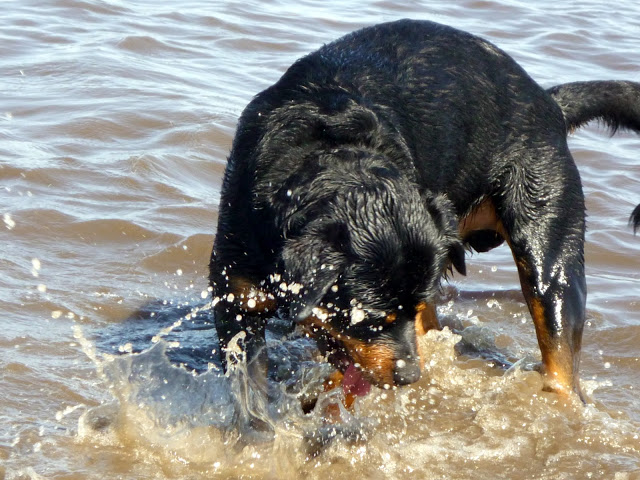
<point>360,177</point>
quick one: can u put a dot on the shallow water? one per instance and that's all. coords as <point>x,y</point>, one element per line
<point>115,121</point>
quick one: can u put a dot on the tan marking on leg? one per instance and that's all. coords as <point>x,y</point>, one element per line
<point>482,217</point>
<point>250,298</point>
<point>557,359</point>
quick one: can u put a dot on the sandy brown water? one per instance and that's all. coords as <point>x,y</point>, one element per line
<point>115,122</point>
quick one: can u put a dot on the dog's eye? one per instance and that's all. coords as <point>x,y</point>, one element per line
<point>390,318</point>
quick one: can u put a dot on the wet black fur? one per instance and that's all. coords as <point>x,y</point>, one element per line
<point>349,176</point>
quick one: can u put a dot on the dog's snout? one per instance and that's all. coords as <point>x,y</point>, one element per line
<point>406,371</point>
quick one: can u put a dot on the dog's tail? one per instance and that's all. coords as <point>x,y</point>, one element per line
<point>616,103</point>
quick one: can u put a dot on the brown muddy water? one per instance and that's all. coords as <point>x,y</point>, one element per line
<point>115,121</point>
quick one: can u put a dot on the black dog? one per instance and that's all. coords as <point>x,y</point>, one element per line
<point>359,178</point>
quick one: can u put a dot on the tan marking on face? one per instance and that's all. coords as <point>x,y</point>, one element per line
<point>334,381</point>
<point>375,360</point>
<point>425,320</point>
<point>332,412</point>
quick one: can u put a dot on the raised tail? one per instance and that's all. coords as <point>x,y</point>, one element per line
<point>615,103</point>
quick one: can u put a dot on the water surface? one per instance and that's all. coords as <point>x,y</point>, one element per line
<point>115,122</point>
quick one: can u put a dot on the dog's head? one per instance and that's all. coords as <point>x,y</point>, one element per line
<point>363,274</point>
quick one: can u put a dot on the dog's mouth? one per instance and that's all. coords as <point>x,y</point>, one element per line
<point>355,381</point>
<point>373,360</point>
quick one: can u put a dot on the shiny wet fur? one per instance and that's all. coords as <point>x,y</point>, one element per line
<point>358,179</point>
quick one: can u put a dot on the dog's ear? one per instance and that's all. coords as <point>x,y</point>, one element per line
<point>456,255</point>
<point>313,263</point>
<point>442,212</point>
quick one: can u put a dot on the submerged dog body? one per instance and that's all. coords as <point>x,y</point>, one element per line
<point>362,175</point>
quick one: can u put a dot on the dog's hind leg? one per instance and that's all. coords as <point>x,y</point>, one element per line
<point>542,217</point>
<point>556,296</point>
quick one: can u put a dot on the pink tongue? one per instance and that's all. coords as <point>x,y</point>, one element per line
<point>353,383</point>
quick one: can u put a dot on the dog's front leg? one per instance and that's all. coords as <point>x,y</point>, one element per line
<point>241,337</point>
<point>240,313</point>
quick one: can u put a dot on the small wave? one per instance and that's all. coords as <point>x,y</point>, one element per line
<point>186,256</point>
<point>117,230</point>
<point>147,45</point>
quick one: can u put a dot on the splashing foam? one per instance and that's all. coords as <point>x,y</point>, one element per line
<point>225,422</point>
<point>463,415</point>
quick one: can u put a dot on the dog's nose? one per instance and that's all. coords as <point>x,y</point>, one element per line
<point>406,371</point>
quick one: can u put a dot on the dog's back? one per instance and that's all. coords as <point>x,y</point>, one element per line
<point>433,99</point>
